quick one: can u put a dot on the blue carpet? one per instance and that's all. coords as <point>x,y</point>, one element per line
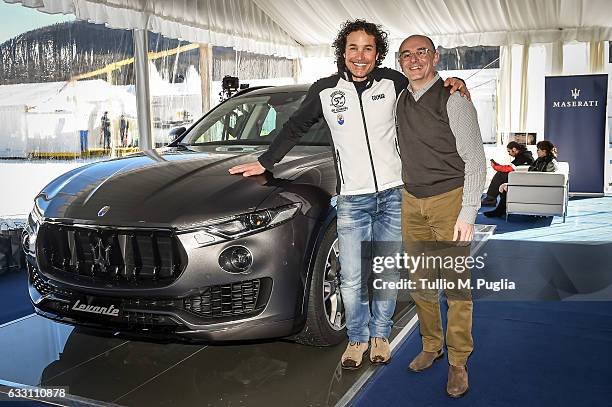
<point>587,219</point>
<point>545,353</point>
<point>526,354</point>
<point>14,299</point>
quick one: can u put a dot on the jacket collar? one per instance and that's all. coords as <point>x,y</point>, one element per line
<point>372,76</point>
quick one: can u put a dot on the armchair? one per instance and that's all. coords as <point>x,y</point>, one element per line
<point>538,193</point>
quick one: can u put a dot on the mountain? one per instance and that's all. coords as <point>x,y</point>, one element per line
<point>60,51</point>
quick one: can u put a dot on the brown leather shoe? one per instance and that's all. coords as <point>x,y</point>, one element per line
<point>424,360</point>
<point>457,384</point>
<point>353,355</point>
<point>380,352</point>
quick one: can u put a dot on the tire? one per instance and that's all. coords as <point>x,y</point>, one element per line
<point>324,299</point>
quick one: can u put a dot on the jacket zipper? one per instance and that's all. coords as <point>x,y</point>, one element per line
<point>397,124</point>
<point>397,147</point>
<point>340,166</point>
<point>395,112</point>
<point>365,131</point>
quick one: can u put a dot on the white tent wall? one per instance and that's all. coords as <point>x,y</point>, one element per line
<point>13,131</point>
<point>533,105</point>
<point>313,68</point>
<point>37,173</point>
<point>48,117</point>
<point>52,132</point>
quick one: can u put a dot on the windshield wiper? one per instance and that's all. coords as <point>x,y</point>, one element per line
<point>232,142</point>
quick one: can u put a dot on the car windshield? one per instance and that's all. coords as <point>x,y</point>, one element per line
<point>254,119</point>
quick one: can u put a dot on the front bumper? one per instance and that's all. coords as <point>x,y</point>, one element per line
<point>205,302</point>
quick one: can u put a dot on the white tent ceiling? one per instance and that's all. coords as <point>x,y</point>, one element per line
<point>307,27</point>
<point>450,23</point>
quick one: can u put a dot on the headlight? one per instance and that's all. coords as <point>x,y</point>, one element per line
<point>36,214</point>
<point>233,227</point>
<point>28,239</point>
<point>241,225</point>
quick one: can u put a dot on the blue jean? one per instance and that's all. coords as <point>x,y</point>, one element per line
<point>371,222</point>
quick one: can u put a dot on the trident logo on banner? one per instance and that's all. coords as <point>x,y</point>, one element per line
<point>575,93</point>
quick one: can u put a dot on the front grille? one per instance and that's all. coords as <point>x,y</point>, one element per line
<point>230,300</point>
<point>117,256</point>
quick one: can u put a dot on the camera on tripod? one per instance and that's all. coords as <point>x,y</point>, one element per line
<point>229,86</point>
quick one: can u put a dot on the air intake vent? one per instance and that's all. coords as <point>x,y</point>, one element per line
<point>41,286</point>
<point>230,300</point>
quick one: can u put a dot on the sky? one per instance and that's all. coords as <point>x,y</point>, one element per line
<point>16,19</point>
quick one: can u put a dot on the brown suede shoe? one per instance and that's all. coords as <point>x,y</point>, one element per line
<point>380,352</point>
<point>457,384</point>
<point>353,355</point>
<point>424,360</point>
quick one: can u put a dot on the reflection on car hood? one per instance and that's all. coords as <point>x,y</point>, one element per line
<point>169,187</point>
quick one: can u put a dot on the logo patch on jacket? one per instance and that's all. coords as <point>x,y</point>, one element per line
<point>378,97</point>
<point>340,119</point>
<point>338,99</point>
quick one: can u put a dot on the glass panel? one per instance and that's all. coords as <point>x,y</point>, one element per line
<point>57,83</point>
<point>479,68</point>
<point>468,58</point>
<point>175,85</point>
<point>269,124</point>
<point>251,70</point>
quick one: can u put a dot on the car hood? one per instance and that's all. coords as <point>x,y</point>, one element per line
<point>169,187</point>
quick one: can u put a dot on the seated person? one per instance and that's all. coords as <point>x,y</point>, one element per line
<point>546,162</point>
<point>521,156</point>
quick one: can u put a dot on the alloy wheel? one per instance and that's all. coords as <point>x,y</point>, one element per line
<point>332,299</point>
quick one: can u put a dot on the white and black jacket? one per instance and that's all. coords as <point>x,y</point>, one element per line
<point>362,128</point>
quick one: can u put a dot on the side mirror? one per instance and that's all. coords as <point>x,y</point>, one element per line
<point>176,132</point>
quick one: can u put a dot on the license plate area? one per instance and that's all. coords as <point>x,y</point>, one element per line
<point>93,306</point>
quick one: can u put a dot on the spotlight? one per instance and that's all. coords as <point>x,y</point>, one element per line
<point>236,259</point>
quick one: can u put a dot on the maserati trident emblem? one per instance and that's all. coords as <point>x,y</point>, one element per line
<point>575,93</point>
<point>101,254</point>
<point>103,210</point>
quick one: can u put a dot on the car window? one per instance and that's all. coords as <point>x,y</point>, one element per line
<point>253,119</point>
<point>269,124</point>
<point>228,125</point>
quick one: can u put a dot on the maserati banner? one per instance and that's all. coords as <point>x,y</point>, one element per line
<point>575,122</point>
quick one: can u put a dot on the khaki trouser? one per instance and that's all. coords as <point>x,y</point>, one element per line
<point>427,228</point>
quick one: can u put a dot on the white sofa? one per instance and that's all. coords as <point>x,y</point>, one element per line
<point>538,193</point>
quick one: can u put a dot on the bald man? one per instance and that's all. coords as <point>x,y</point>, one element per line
<point>443,170</point>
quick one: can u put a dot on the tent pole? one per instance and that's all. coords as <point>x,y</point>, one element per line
<point>296,70</point>
<point>206,76</point>
<point>143,93</point>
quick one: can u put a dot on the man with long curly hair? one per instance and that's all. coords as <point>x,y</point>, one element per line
<point>358,105</point>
